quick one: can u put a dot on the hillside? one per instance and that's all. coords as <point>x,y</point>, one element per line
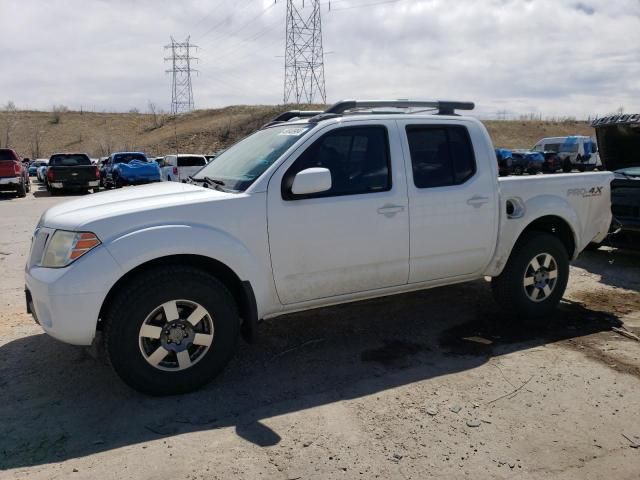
<point>39,134</point>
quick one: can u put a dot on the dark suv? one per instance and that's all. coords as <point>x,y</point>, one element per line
<point>619,145</point>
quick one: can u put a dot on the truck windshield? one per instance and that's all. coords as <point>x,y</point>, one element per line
<point>239,166</point>
<point>69,160</point>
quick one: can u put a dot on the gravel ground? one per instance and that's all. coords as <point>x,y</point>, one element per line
<point>430,384</point>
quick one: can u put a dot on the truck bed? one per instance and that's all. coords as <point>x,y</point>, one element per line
<point>584,199</point>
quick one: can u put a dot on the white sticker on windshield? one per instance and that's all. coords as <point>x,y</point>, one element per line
<point>293,131</point>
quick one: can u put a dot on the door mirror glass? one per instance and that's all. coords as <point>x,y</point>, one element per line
<point>311,180</point>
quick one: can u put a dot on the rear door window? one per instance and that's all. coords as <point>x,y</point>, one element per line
<point>192,161</point>
<point>440,155</point>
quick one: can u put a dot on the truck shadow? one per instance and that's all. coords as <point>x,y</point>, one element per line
<point>616,267</point>
<point>60,403</point>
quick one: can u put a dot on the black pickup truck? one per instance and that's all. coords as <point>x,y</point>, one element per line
<point>72,171</point>
<point>619,146</point>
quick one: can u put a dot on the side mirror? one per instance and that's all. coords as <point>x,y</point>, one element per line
<point>311,180</point>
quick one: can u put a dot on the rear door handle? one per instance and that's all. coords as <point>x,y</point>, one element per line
<point>390,210</point>
<point>477,201</point>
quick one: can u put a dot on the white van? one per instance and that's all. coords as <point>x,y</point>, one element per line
<point>575,151</point>
<point>178,168</point>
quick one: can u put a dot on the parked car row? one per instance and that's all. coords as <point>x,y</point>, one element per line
<point>78,172</point>
<point>550,155</point>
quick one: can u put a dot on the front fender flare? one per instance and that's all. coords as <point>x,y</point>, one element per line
<point>135,248</point>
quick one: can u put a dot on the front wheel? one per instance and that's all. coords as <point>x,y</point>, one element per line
<point>535,277</point>
<point>171,331</point>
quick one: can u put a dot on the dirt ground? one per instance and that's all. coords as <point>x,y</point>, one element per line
<point>431,384</point>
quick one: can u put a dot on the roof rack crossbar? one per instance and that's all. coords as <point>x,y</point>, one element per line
<point>286,116</point>
<point>445,107</point>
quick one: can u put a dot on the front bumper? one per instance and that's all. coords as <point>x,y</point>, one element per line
<point>66,302</point>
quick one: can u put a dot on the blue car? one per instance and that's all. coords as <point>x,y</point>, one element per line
<point>128,168</point>
<point>33,167</point>
<point>524,161</point>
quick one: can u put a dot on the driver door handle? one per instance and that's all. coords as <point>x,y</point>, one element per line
<point>390,210</point>
<point>477,201</point>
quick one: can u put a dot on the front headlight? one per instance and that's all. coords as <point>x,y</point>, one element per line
<point>65,247</point>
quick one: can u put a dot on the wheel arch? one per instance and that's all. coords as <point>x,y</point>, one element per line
<point>242,291</point>
<point>556,226</point>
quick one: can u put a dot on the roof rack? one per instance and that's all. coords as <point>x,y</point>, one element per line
<point>444,107</point>
<point>291,114</point>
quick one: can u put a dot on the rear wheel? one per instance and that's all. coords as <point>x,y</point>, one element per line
<point>517,170</point>
<point>535,277</point>
<point>171,331</point>
<point>21,191</point>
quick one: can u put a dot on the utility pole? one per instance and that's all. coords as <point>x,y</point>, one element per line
<point>181,89</point>
<point>303,56</point>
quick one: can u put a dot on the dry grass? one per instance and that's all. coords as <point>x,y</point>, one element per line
<point>39,134</point>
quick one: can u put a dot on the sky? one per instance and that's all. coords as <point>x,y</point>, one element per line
<point>553,58</point>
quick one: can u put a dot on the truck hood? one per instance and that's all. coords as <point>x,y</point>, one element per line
<point>619,141</point>
<point>75,214</point>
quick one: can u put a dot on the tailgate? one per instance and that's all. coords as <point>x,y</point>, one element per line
<point>79,174</point>
<point>7,168</point>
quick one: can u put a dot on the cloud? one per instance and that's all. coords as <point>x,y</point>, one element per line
<point>555,57</point>
<point>585,8</point>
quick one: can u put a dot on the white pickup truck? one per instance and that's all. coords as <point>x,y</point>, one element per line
<point>367,199</point>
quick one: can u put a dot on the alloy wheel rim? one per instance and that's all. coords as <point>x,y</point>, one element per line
<point>540,277</point>
<point>176,335</point>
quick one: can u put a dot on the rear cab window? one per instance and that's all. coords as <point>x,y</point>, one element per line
<point>7,155</point>
<point>69,160</point>
<point>128,157</point>
<point>441,155</point>
<point>193,161</point>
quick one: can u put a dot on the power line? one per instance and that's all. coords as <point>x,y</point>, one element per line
<point>181,89</point>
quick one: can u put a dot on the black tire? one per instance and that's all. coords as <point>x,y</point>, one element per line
<point>517,170</point>
<point>21,191</point>
<point>96,190</point>
<point>509,288</point>
<point>117,183</point>
<point>567,166</point>
<point>28,186</point>
<point>133,304</point>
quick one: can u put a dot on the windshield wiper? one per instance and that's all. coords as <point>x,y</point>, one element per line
<point>214,182</point>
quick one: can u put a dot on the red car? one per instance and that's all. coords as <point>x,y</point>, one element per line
<point>13,175</point>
